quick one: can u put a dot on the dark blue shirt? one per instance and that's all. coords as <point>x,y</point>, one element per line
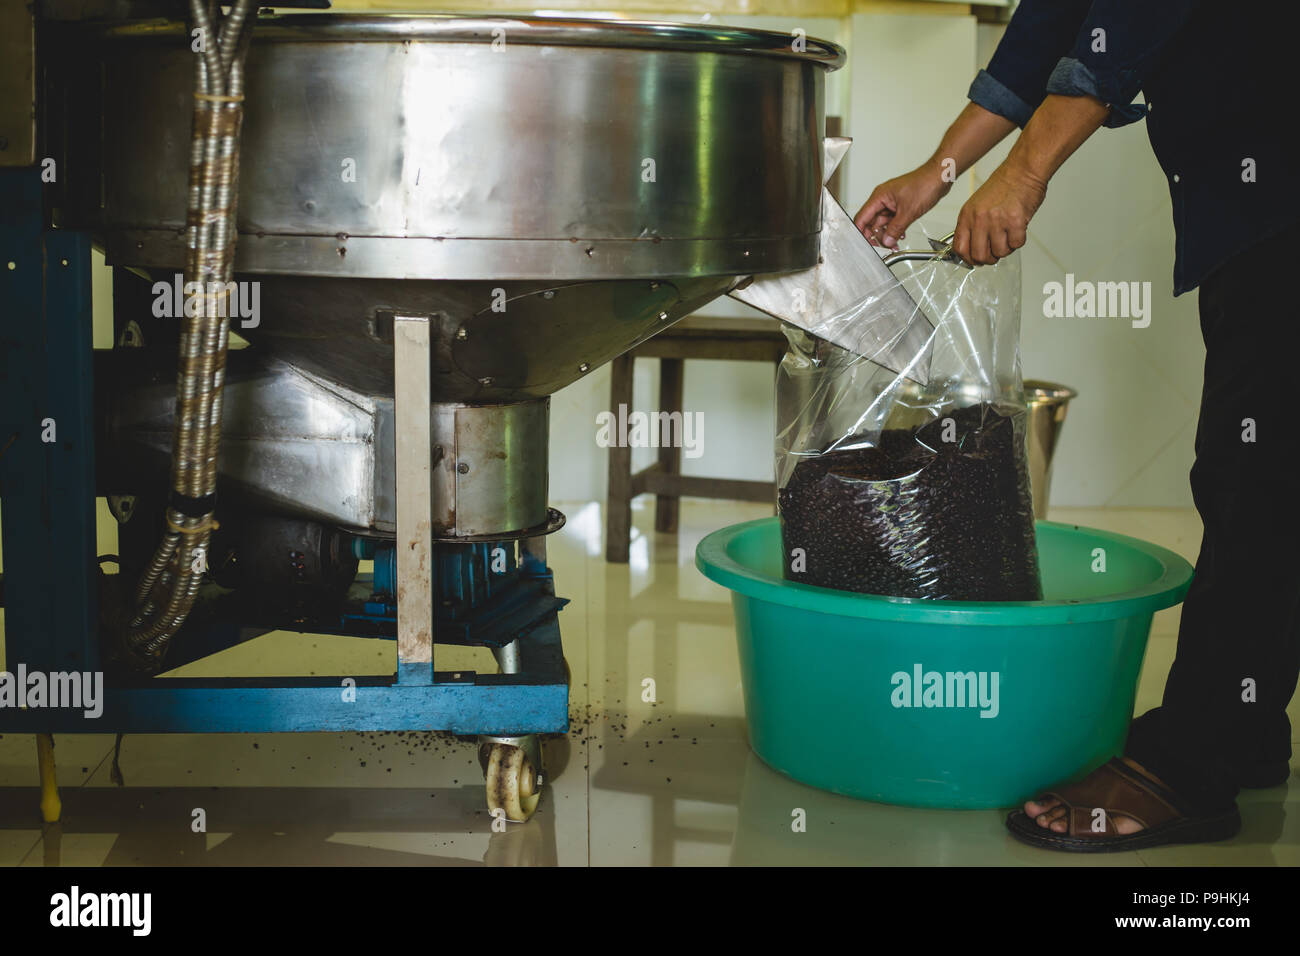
<point>1220,111</point>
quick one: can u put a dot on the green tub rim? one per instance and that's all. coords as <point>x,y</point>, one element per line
<point>714,561</point>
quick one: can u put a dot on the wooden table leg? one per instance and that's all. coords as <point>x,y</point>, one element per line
<point>618,497</point>
<point>671,380</point>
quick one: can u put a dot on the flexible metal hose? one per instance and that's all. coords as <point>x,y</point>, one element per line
<point>170,583</point>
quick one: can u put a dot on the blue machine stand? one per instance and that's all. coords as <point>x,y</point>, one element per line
<point>51,577</point>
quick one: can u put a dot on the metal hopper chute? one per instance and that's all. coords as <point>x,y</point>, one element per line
<point>850,298</point>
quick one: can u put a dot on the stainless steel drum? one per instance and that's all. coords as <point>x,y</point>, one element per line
<point>547,192</point>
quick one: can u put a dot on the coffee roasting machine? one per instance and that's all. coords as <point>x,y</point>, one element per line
<point>423,227</point>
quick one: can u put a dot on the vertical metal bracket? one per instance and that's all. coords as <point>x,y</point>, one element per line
<point>47,456</point>
<point>412,392</point>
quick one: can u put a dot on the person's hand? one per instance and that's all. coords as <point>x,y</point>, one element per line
<point>993,222</point>
<point>895,205</point>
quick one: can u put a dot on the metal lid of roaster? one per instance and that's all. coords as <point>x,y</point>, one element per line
<point>531,31</point>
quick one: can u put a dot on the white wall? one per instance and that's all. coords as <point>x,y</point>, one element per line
<point>1128,440</point>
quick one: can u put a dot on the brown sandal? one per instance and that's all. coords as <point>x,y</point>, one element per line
<point>1118,789</point>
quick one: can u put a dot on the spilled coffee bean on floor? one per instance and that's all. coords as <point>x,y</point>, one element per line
<point>917,516</point>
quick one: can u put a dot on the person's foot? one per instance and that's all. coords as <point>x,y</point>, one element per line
<point>1051,814</point>
<point>1119,806</point>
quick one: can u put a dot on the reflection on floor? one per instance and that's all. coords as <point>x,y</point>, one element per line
<point>668,780</point>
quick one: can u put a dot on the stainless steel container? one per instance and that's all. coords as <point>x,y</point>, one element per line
<point>1048,404</point>
<point>548,193</point>
<point>445,148</point>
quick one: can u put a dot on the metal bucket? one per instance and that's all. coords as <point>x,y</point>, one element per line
<point>1047,403</point>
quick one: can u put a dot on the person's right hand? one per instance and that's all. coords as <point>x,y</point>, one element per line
<point>895,205</point>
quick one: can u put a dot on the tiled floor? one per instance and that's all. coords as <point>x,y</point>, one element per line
<point>632,783</point>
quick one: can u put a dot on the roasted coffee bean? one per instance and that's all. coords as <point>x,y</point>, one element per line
<point>918,516</point>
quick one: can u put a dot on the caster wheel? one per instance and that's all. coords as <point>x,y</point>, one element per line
<point>513,784</point>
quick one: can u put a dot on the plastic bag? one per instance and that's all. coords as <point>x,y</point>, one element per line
<point>912,483</point>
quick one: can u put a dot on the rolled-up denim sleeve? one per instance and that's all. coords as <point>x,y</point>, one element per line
<point>1039,33</point>
<point>1115,50</point>
<point>1072,78</point>
<point>992,94</point>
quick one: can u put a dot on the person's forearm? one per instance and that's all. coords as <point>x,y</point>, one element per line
<point>994,221</point>
<point>973,133</point>
<point>1058,127</point>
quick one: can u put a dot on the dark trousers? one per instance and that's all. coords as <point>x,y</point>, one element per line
<point>1224,710</point>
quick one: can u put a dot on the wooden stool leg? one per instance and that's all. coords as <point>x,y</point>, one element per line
<point>618,496</point>
<point>667,507</point>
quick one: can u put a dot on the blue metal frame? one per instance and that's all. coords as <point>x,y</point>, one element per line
<point>51,577</point>
<point>535,701</point>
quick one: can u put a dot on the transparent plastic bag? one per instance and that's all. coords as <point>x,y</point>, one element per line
<point>913,483</point>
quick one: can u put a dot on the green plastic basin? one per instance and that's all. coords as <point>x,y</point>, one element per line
<point>944,703</point>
